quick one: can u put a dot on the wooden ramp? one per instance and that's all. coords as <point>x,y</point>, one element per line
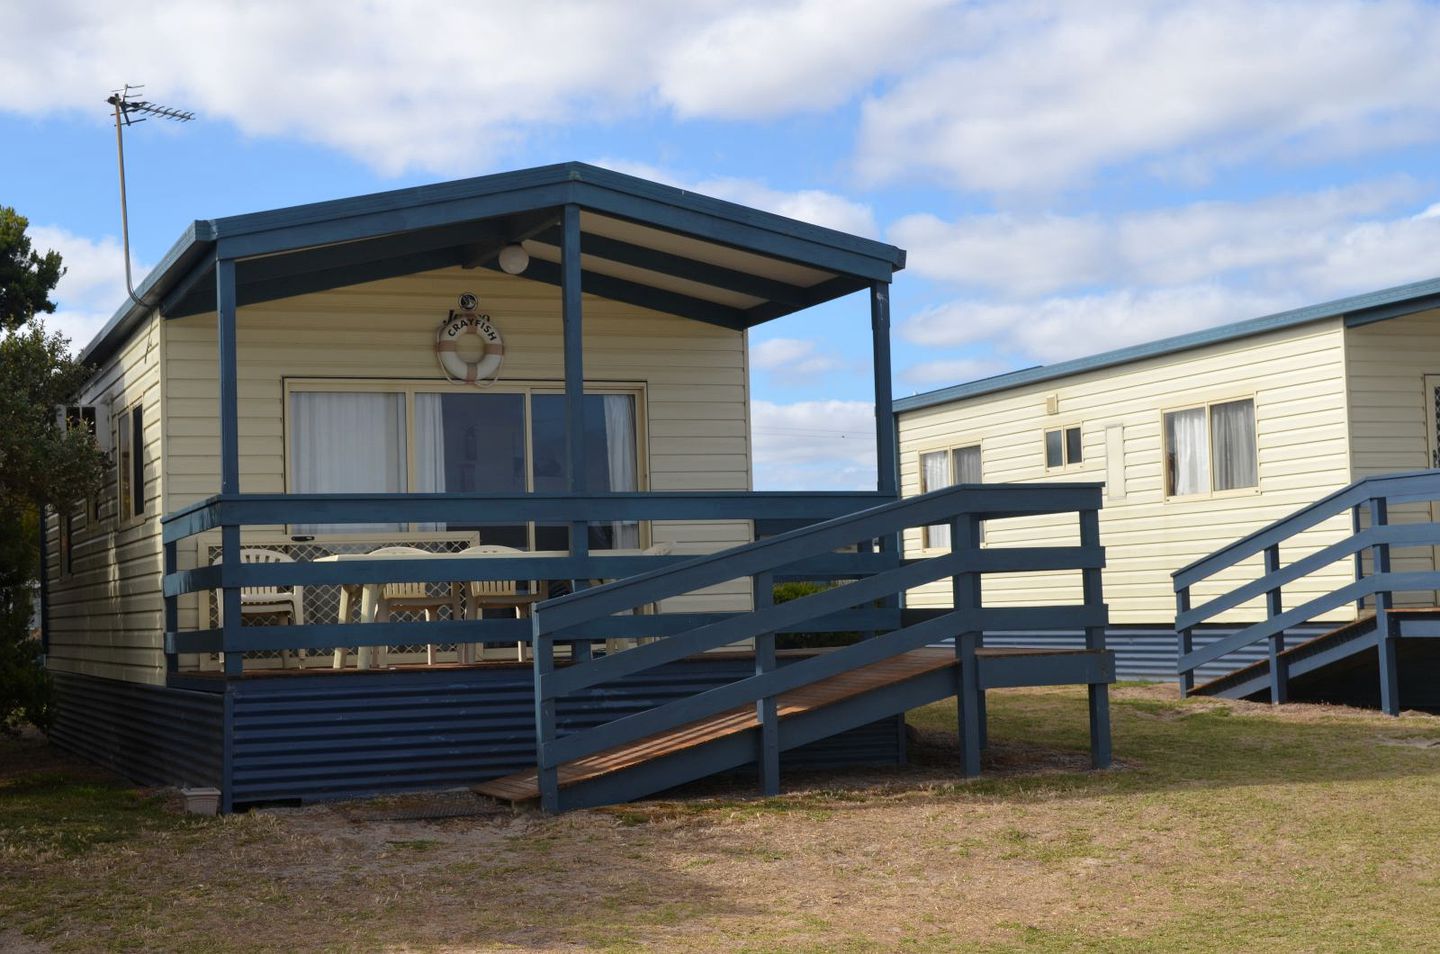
<point>523,786</point>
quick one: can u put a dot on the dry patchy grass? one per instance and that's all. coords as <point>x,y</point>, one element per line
<point>1226,826</point>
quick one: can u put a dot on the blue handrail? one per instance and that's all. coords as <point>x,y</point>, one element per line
<point>1372,496</point>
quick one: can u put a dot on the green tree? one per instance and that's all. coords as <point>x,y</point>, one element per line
<point>40,461</point>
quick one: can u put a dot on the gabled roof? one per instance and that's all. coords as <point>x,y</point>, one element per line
<point>1357,310</point>
<point>642,242</point>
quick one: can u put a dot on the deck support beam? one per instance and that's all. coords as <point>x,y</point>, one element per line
<point>1279,676</point>
<point>571,308</point>
<point>1385,648</point>
<point>766,710</point>
<point>1099,692</point>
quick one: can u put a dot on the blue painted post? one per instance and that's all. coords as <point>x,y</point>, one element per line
<point>1384,626</point>
<point>887,454</point>
<point>1186,642</point>
<point>768,757</point>
<point>1279,674</point>
<point>574,358</point>
<point>1099,692</point>
<point>547,774</point>
<point>229,458</point>
<point>172,606</point>
<point>966,594</point>
<point>1359,556</point>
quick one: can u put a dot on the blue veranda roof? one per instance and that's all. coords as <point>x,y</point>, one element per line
<point>643,242</point>
<point>1357,310</point>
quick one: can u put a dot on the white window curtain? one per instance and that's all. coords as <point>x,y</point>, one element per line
<point>347,442</point>
<point>936,474</point>
<point>429,451</point>
<point>1187,447</point>
<point>1232,433</point>
<point>620,444</point>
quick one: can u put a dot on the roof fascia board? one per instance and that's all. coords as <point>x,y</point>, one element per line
<point>366,225</point>
<point>1369,316</point>
<point>740,235</point>
<point>1369,303</point>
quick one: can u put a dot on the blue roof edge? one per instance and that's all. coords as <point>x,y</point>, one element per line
<point>1354,306</point>
<point>198,237</point>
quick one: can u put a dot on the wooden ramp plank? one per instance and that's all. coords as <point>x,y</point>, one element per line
<point>1245,673</point>
<point>524,786</point>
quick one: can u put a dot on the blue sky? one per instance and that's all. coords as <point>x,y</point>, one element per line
<point>1066,177</point>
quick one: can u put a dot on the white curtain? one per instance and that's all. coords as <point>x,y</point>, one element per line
<point>1188,448</point>
<point>347,442</point>
<point>620,443</point>
<point>936,469</point>
<point>429,450</point>
<point>1232,431</point>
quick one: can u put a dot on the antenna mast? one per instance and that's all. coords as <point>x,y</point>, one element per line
<point>127,113</point>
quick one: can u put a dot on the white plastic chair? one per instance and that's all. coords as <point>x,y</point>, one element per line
<point>414,597</point>
<point>498,594</point>
<point>288,602</point>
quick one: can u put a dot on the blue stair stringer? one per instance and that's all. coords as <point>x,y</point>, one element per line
<point>866,580</point>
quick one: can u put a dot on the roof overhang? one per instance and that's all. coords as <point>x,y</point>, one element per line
<point>642,243</point>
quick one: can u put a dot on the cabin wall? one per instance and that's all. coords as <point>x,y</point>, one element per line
<point>693,375</point>
<point>1297,379</point>
<point>1392,418</point>
<point>105,610</point>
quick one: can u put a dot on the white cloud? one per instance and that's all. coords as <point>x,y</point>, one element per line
<point>807,205</point>
<point>1055,329</point>
<point>1019,255</point>
<point>1184,87</point>
<point>952,371</point>
<point>814,445</point>
<point>93,285</point>
<point>792,355</point>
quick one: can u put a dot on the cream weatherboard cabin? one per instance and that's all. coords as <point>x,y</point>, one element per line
<point>452,486</point>
<point>1214,448</point>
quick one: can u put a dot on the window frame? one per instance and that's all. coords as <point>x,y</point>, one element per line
<point>1065,462</point>
<point>949,451</point>
<point>127,487</point>
<point>1211,493</point>
<point>410,387</point>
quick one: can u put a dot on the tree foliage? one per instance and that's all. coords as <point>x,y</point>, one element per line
<point>40,461</point>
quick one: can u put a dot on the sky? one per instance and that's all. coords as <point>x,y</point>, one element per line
<point>1066,177</point>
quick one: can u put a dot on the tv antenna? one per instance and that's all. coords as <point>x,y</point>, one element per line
<point>128,112</point>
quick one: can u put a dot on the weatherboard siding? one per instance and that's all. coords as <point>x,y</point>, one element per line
<point>693,378</point>
<point>1297,378</point>
<point>1389,420</point>
<point>105,617</point>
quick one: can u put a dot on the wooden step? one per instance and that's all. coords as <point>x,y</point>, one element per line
<point>1245,673</point>
<point>524,786</point>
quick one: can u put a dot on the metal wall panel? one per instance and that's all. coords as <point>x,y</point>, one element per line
<point>331,736</point>
<point>154,735</point>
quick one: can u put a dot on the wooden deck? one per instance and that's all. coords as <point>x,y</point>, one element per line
<point>523,786</point>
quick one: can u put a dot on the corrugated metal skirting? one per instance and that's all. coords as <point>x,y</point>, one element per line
<point>151,734</point>
<point>1149,653</point>
<point>328,736</point>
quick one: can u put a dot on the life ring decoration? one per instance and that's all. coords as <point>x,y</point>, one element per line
<point>468,346</point>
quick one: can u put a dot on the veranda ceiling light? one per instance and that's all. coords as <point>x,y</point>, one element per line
<point>514,259</point>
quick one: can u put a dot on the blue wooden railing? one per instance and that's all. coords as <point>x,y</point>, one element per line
<point>1368,503</point>
<point>879,586</point>
<point>233,513</point>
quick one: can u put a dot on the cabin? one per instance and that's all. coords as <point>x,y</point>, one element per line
<point>451,486</point>
<point>1256,479</point>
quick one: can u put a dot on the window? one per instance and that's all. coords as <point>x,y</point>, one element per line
<point>1063,447</point>
<point>130,464</point>
<point>502,442</point>
<point>1211,447</point>
<point>936,469</point>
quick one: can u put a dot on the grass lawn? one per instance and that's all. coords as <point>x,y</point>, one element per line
<point>1225,826</point>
